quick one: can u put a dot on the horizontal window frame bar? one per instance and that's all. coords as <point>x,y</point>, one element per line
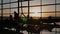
<point>14,2</point>
<point>32,6</point>
<point>42,12</point>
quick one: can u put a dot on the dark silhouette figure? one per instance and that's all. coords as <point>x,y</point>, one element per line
<point>16,22</point>
<point>31,20</point>
<point>16,16</point>
<point>11,18</point>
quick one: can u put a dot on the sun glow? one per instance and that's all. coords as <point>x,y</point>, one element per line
<point>36,13</point>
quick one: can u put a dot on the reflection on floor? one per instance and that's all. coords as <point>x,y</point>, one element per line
<point>47,32</point>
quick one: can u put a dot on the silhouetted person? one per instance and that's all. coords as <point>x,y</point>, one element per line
<point>49,19</point>
<point>16,16</point>
<point>27,18</point>
<point>31,20</point>
<point>11,21</point>
<point>11,18</point>
<point>16,19</point>
<point>40,21</point>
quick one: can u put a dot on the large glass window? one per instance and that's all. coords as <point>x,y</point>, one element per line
<point>14,10</point>
<point>48,1</point>
<point>25,11</point>
<point>0,12</point>
<point>0,6</point>
<point>48,14</point>
<point>34,2</point>
<point>58,10</point>
<point>6,12</point>
<point>35,11</point>
<point>57,1</point>
<point>48,8</point>
<point>58,14</point>
<point>0,1</point>
<point>13,0</point>
<point>6,1</point>
<point>57,7</point>
<point>6,6</point>
<point>14,4</point>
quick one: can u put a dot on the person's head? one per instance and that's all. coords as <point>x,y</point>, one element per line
<point>10,15</point>
<point>31,17</point>
<point>14,12</point>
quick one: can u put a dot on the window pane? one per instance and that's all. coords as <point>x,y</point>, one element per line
<point>48,1</point>
<point>25,11</point>
<point>6,6</point>
<point>14,10</point>
<point>6,12</point>
<point>13,0</point>
<point>48,14</point>
<point>58,11</point>
<point>5,1</point>
<point>25,3</point>
<point>0,1</point>
<point>58,7</point>
<point>58,1</point>
<point>48,8</point>
<point>14,5</point>
<point>0,12</point>
<point>0,6</point>
<point>34,2</point>
<point>57,14</point>
<point>34,11</point>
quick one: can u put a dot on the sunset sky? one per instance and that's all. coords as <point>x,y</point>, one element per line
<point>38,11</point>
<point>35,10</point>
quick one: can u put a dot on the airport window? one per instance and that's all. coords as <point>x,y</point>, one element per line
<point>13,0</point>
<point>6,6</point>
<point>6,12</point>
<point>0,1</point>
<point>6,1</point>
<point>34,9</point>
<point>0,12</point>
<point>57,1</point>
<point>12,10</point>
<point>48,2</point>
<point>48,14</point>
<point>24,3</point>
<point>58,14</point>
<point>25,10</point>
<point>48,8</point>
<point>14,4</point>
<point>34,2</point>
<point>0,6</point>
<point>57,8</point>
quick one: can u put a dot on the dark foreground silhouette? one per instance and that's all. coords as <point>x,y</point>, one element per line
<point>33,25</point>
<point>4,31</point>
